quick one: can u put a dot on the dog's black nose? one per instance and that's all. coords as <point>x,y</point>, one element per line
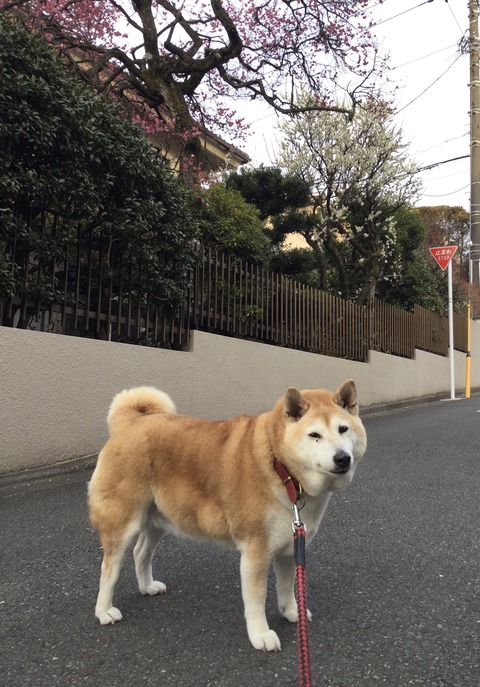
<point>342,461</point>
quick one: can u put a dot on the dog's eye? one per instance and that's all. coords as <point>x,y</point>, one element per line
<point>342,429</point>
<point>315,435</point>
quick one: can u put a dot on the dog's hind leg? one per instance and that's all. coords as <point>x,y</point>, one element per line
<point>143,553</point>
<point>118,520</point>
<point>114,547</point>
<point>284,567</point>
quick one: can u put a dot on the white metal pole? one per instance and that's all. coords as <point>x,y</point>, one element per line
<point>450,332</point>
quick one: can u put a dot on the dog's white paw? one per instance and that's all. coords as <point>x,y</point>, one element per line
<point>109,617</point>
<point>291,613</point>
<point>154,588</point>
<point>269,641</point>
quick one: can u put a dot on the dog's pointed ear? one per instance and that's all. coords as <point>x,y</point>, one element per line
<point>295,406</point>
<point>346,397</point>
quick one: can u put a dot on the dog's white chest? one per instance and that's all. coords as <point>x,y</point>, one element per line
<point>280,526</point>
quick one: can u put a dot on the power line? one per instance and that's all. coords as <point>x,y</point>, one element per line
<point>462,172</point>
<point>441,195</point>
<point>423,57</point>
<point>442,143</point>
<point>400,14</point>
<point>453,15</point>
<point>432,84</point>
<point>443,162</point>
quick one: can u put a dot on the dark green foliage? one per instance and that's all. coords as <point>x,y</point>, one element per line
<point>297,263</point>
<point>271,191</point>
<point>279,198</point>
<point>68,152</point>
<point>293,221</point>
<point>231,224</point>
<point>419,280</point>
<point>420,284</point>
<point>411,233</point>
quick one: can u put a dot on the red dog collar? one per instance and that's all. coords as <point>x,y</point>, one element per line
<point>293,487</point>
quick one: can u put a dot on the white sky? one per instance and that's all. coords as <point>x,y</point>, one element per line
<point>433,99</point>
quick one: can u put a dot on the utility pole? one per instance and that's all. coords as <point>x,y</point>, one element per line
<point>474,143</point>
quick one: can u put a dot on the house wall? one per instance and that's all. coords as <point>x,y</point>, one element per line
<point>56,390</point>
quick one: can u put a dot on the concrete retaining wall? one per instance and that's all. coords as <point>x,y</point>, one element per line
<point>55,390</point>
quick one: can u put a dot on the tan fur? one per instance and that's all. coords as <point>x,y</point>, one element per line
<point>162,472</point>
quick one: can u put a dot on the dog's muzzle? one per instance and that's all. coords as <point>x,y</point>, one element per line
<point>342,462</point>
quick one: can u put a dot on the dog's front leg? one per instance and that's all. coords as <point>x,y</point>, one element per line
<point>254,564</point>
<point>284,566</point>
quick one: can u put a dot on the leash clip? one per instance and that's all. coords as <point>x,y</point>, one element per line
<point>297,521</point>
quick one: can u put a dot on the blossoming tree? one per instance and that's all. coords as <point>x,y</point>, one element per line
<point>359,175</point>
<point>182,65</point>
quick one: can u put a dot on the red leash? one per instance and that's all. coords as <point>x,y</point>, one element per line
<point>294,491</point>
<point>301,596</point>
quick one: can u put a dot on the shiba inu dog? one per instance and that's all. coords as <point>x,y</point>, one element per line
<point>162,472</point>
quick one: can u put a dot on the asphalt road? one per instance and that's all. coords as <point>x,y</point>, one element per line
<point>393,580</point>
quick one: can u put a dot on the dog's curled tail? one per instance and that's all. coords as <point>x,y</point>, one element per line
<point>143,400</point>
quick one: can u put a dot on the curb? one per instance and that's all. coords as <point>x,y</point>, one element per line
<point>74,466</point>
<point>383,408</point>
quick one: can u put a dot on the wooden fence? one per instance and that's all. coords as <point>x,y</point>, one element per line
<point>96,296</point>
<point>236,298</point>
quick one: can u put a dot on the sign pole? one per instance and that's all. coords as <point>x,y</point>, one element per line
<point>469,357</point>
<point>451,350</point>
<point>443,256</point>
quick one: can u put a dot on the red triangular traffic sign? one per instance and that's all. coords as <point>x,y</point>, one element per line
<point>443,254</point>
